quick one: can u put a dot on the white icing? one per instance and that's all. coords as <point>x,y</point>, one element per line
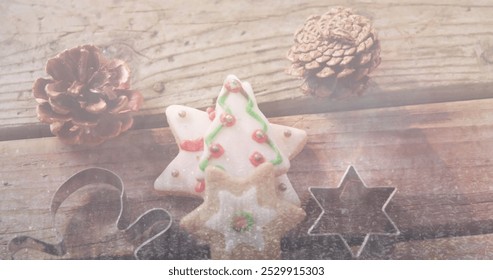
<point>190,127</point>
<point>230,204</point>
<point>292,145</point>
<point>186,165</point>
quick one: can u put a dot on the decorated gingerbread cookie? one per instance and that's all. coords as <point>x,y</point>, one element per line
<point>242,218</point>
<point>188,126</point>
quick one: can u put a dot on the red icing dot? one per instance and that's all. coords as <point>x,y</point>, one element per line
<point>216,150</point>
<point>227,119</point>
<point>192,145</point>
<point>240,223</point>
<point>200,187</point>
<point>257,158</point>
<point>233,86</point>
<point>259,136</point>
<point>211,112</point>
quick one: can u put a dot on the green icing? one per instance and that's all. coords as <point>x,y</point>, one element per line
<point>220,167</point>
<point>278,158</point>
<point>222,102</point>
<point>203,164</point>
<point>254,115</point>
<point>258,118</point>
<point>213,135</point>
<point>242,215</point>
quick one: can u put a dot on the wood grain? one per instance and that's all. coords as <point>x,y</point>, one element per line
<point>431,52</point>
<point>438,156</point>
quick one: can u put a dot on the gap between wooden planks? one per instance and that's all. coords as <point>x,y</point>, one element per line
<point>431,52</point>
<point>438,156</point>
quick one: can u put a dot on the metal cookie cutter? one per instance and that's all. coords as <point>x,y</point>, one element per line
<point>353,212</point>
<point>140,227</point>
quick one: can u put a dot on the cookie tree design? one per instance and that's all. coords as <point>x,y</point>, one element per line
<point>189,126</point>
<point>242,218</point>
<point>240,133</point>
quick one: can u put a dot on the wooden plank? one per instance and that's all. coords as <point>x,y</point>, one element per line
<point>438,156</point>
<point>465,247</point>
<point>431,52</point>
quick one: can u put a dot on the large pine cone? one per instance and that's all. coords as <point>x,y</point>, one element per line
<point>334,53</point>
<point>88,99</point>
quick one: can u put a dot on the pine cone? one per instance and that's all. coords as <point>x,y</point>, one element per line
<point>334,53</point>
<point>88,99</point>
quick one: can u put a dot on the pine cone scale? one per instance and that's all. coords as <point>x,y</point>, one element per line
<point>66,132</point>
<point>108,127</point>
<point>312,65</point>
<point>350,51</point>
<point>345,73</point>
<point>324,58</point>
<point>89,63</point>
<point>334,61</point>
<point>55,89</point>
<point>346,60</point>
<point>338,53</point>
<point>46,114</point>
<point>59,70</point>
<point>96,107</point>
<point>98,80</point>
<point>62,104</point>
<point>39,92</point>
<point>83,119</point>
<point>119,105</point>
<point>326,72</point>
<point>135,101</point>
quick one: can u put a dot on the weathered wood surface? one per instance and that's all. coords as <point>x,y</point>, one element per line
<point>438,156</point>
<point>431,50</point>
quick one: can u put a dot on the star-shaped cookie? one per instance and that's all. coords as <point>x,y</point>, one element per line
<point>353,211</point>
<point>189,126</point>
<point>242,218</point>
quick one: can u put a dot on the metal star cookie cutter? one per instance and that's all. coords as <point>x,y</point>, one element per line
<point>352,211</point>
<point>144,223</point>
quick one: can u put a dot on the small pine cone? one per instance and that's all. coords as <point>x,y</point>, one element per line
<point>87,100</point>
<point>334,53</point>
